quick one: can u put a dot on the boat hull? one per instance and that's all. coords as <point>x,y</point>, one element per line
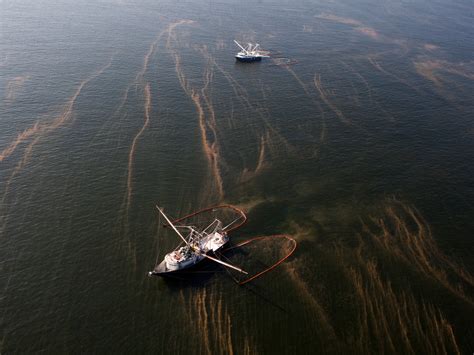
<point>162,270</point>
<point>248,59</point>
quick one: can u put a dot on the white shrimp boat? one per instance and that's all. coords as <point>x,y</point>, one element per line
<point>197,245</point>
<point>250,54</point>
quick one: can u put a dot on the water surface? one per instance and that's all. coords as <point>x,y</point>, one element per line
<point>361,148</point>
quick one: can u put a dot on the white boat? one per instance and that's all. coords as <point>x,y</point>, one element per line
<point>196,246</point>
<point>250,54</point>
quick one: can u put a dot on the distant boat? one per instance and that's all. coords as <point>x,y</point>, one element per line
<point>196,246</point>
<point>250,54</point>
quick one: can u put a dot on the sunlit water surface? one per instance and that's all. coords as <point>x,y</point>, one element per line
<point>361,148</point>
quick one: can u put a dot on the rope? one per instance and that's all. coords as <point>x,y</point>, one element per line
<point>261,273</point>
<point>226,269</point>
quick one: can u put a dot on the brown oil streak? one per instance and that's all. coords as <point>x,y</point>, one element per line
<point>391,321</point>
<point>322,93</point>
<point>339,19</point>
<point>377,65</point>
<point>261,156</point>
<point>315,306</point>
<point>247,174</point>
<point>131,153</point>
<point>147,105</point>
<point>212,147</point>
<point>416,247</point>
<point>26,134</point>
<point>66,115</point>
<point>243,96</point>
<point>364,29</point>
<point>114,114</point>
<point>35,133</point>
<point>230,348</point>
<point>369,89</point>
<point>38,130</point>
<point>207,122</point>
<point>322,136</point>
<point>199,318</point>
<point>429,69</point>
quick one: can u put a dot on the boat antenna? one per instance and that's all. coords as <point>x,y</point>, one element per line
<point>172,225</point>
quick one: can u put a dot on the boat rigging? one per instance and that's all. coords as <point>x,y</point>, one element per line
<point>198,246</point>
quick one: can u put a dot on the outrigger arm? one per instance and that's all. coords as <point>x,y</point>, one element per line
<point>225,264</point>
<point>237,43</point>
<point>172,225</point>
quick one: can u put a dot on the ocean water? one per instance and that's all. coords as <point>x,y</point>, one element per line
<point>356,138</point>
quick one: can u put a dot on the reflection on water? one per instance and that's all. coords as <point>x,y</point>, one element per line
<point>358,145</point>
